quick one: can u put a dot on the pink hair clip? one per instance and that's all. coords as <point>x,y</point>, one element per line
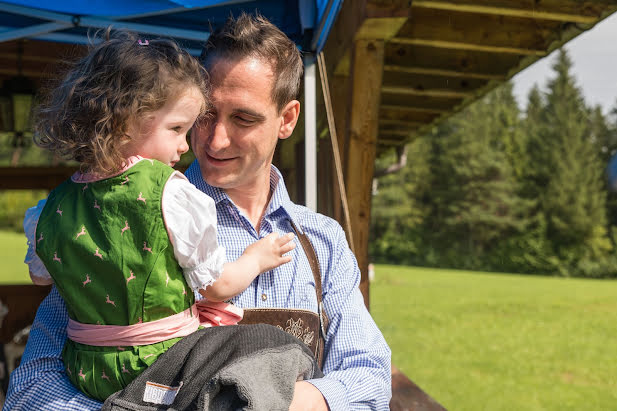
<point>143,42</point>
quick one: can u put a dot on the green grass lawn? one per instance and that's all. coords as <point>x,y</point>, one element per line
<point>12,252</point>
<point>484,341</point>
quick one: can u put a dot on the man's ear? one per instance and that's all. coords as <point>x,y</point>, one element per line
<point>289,119</point>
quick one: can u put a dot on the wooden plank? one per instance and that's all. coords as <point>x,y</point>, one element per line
<point>442,73</point>
<point>409,109</point>
<point>431,81</point>
<point>407,396</point>
<point>33,178</point>
<point>380,28</point>
<point>394,133</point>
<point>435,93</point>
<point>407,114</point>
<point>457,45</point>
<point>367,71</point>
<point>462,61</point>
<point>403,123</point>
<point>388,8</point>
<point>420,103</point>
<point>480,32</point>
<point>340,41</point>
<point>562,11</point>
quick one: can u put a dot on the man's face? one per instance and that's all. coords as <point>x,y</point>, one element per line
<point>235,147</point>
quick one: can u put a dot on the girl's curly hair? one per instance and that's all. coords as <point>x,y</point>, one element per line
<point>85,118</point>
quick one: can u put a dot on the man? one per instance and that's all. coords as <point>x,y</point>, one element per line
<point>255,74</point>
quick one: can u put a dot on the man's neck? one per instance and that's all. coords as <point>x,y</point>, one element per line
<point>252,200</point>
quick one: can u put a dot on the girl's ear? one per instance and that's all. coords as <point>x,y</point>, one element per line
<point>289,119</point>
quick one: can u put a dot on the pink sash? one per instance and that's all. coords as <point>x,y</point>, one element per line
<point>205,313</point>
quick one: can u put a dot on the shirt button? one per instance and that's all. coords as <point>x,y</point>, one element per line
<point>264,297</point>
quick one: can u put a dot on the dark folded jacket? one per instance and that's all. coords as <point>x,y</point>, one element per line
<point>247,367</point>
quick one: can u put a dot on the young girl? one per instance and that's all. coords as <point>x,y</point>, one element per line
<point>126,240</point>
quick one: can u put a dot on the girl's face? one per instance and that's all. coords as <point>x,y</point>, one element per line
<point>161,134</point>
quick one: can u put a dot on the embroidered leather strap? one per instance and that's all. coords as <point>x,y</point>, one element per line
<point>308,326</point>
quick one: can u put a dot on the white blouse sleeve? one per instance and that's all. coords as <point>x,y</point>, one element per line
<point>38,272</point>
<point>190,218</point>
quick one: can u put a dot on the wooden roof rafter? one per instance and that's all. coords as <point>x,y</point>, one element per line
<point>568,11</point>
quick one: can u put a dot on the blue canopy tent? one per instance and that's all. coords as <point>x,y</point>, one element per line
<point>306,22</point>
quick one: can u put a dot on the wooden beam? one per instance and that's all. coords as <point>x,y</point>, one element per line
<point>385,142</point>
<point>395,133</point>
<point>30,57</point>
<point>443,73</point>
<point>406,114</point>
<point>380,28</point>
<point>522,9</point>
<point>462,61</point>
<point>28,73</point>
<point>476,32</point>
<point>340,41</point>
<point>366,71</point>
<point>410,91</point>
<point>455,45</point>
<point>402,123</point>
<point>424,103</point>
<point>414,109</point>
<point>33,178</point>
<point>432,81</point>
<point>407,396</point>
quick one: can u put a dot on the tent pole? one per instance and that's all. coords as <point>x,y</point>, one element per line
<point>310,133</point>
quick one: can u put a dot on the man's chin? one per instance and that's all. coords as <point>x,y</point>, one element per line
<point>217,180</point>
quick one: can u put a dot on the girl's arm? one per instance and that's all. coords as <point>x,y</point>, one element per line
<point>261,256</point>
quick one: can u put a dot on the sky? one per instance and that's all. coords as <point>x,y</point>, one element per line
<point>594,57</point>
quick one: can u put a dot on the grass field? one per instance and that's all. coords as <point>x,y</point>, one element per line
<point>12,252</point>
<point>484,341</point>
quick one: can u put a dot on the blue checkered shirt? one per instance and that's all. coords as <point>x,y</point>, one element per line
<point>357,358</point>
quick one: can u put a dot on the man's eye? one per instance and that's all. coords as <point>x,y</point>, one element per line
<point>245,121</point>
<point>177,129</point>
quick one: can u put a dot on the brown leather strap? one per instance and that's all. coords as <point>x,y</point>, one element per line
<point>312,258</point>
<point>314,263</point>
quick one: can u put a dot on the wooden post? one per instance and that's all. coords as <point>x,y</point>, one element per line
<point>366,71</point>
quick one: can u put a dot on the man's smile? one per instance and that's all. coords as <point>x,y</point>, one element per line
<point>219,160</point>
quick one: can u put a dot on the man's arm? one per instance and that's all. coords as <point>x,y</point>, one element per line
<point>357,359</point>
<point>40,382</point>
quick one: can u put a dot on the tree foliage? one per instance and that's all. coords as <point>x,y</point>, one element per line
<point>499,189</point>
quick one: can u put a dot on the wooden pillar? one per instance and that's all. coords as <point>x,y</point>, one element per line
<point>366,77</point>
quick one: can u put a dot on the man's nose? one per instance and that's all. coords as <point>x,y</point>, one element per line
<point>218,138</point>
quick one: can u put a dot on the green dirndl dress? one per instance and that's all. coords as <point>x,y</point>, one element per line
<point>105,245</point>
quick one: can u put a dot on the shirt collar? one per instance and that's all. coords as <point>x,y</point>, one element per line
<point>279,201</point>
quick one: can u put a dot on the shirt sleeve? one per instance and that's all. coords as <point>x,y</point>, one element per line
<point>357,363</point>
<point>40,381</point>
<point>38,272</point>
<point>190,217</point>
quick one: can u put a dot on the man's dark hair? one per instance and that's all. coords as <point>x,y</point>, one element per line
<point>254,36</point>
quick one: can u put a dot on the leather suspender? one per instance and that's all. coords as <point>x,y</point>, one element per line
<point>303,324</point>
<point>314,263</point>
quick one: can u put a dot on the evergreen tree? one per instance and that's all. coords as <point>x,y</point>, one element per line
<point>574,199</point>
<point>399,211</point>
<point>475,194</point>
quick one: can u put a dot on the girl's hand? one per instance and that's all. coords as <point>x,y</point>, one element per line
<point>268,252</point>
